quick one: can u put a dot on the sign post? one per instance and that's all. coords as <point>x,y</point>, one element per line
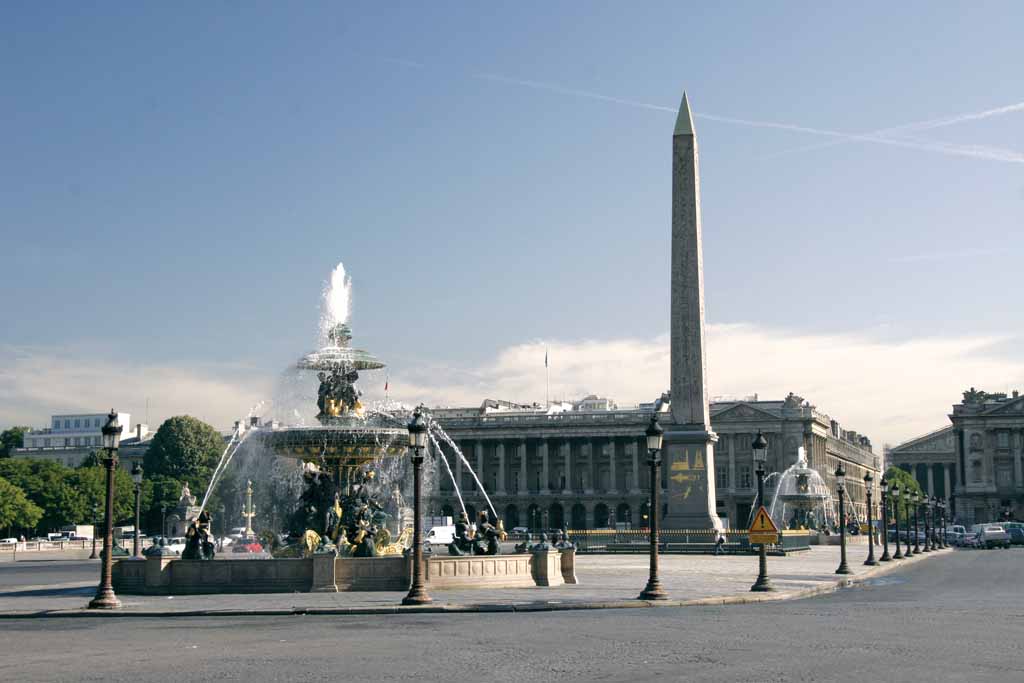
<point>762,532</point>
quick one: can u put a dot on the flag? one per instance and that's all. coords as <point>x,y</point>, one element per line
<point>545,357</point>
<point>386,380</point>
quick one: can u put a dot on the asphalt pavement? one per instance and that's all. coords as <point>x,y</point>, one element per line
<point>951,620</point>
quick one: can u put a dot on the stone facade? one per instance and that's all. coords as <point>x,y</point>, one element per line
<point>587,470</point>
<point>978,460</point>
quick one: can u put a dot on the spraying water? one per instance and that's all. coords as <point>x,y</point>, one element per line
<point>336,303</point>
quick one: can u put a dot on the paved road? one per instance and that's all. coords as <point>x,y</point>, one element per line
<point>17,575</point>
<point>957,619</point>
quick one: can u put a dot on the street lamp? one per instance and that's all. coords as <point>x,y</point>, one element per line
<point>137,478</point>
<point>916,498</point>
<point>926,501</point>
<point>95,523</point>
<point>760,449</point>
<point>841,488</point>
<point>868,480</point>
<point>105,598</point>
<point>907,501</point>
<point>163,521</point>
<point>942,509</point>
<point>885,521</point>
<point>417,442</point>
<point>896,512</point>
<point>654,432</point>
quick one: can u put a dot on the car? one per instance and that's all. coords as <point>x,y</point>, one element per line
<point>8,541</point>
<point>176,545</point>
<point>1016,535</point>
<point>993,536</point>
<point>520,530</point>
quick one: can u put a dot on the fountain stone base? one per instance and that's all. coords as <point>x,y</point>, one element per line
<point>325,573</point>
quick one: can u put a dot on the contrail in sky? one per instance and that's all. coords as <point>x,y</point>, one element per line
<point>973,151</point>
<point>919,125</point>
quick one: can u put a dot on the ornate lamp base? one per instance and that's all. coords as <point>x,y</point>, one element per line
<point>417,596</point>
<point>105,599</point>
<point>653,591</point>
<point>762,585</point>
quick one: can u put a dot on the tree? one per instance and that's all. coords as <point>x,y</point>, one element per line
<point>47,484</point>
<point>899,477</point>
<point>185,449</point>
<point>16,510</point>
<point>10,439</point>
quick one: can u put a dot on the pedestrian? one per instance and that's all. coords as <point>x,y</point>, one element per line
<point>719,541</point>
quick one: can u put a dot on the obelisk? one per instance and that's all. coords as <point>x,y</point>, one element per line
<point>689,462</point>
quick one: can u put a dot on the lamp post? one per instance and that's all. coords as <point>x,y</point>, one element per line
<point>163,521</point>
<point>868,480</point>
<point>841,488</point>
<point>137,478</point>
<point>916,499</point>
<point>906,521</point>
<point>942,509</point>
<point>927,529</point>
<point>654,432</point>
<point>417,442</point>
<point>885,521</point>
<point>95,520</point>
<point>896,511</point>
<point>760,448</point>
<point>105,598</point>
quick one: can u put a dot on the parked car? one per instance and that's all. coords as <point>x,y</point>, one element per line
<point>1016,535</point>
<point>955,534</point>
<point>8,541</point>
<point>176,545</point>
<point>993,536</point>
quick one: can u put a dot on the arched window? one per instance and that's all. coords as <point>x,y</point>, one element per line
<point>556,516</point>
<point>601,518</point>
<point>579,516</point>
<point>511,517</point>
<point>624,515</point>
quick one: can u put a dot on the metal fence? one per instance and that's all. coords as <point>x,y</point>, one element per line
<point>696,541</point>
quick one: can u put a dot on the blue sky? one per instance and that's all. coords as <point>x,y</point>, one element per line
<point>205,167</point>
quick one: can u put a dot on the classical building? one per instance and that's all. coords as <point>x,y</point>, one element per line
<point>978,460</point>
<point>71,438</point>
<point>587,469</point>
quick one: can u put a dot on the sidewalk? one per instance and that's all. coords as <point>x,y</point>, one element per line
<point>605,582</point>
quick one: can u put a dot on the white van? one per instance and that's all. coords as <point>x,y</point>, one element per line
<point>441,535</point>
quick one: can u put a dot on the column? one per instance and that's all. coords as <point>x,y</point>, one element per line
<point>499,450</point>
<point>732,463</point>
<point>478,449</point>
<point>931,480</point>
<point>523,483</point>
<point>1018,461</point>
<point>566,449</point>
<point>634,460</point>
<point>588,458</point>
<point>545,478</point>
<point>613,484</point>
<point>946,467</point>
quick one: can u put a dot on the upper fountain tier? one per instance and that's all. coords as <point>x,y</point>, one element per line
<point>338,355</point>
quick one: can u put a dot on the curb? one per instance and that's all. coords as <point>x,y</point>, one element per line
<point>482,608</point>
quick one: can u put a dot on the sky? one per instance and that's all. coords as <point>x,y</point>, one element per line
<point>177,183</point>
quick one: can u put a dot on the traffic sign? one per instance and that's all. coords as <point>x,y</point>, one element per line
<point>763,529</point>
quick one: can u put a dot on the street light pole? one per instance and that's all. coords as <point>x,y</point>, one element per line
<point>896,512</point>
<point>95,523</point>
<point>907,500</point>
<point>868,480</point>
<point>105,598</point>
<point>916,499</point>
<point>927,529</point>
<point>942,508</point>
<point>760,448</point>
<point>653,590</point>
<point>885,521</point>
<point>417,442</point>
<point>137,478</point>
<point>841,487</point>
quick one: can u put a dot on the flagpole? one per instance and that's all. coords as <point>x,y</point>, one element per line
<point>547,382</point>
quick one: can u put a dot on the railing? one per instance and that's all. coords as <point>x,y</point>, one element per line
<point>680,541</point>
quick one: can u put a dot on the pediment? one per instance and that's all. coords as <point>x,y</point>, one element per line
<point>940,441</point>
<point>1013,408</point>
<point>744,411</point>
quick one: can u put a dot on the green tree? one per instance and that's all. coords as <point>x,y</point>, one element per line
<point>10,439</point>
<point>185,449</point>
<point>48,485</point>
<point>90,481</point>
<point>897,476</point>
<point>16,510</point>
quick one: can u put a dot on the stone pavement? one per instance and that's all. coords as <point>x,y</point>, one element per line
<point>605,581</point>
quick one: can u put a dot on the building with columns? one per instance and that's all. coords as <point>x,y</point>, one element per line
<point>587,469</point>
<point>977,461</point>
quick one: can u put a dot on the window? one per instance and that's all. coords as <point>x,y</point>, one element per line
<point>721,477</point>
<point>96,422</point>
<point>46,443</point>
<point>56,424</point>
<point>67,442</point>
<point>1004,439</point>
<point>67,424</point>
<point>95,441</point>
<point>744,476</point>
<point>78,441</point>
<point>78,424</point>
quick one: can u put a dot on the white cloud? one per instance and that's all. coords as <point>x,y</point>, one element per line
<point>889,390</point>
<point>36,382</point>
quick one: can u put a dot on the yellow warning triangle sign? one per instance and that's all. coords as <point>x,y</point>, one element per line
<point>763,523</point>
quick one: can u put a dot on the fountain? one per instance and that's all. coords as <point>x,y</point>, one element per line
<point>351,529</point>
<point>801,498</point>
